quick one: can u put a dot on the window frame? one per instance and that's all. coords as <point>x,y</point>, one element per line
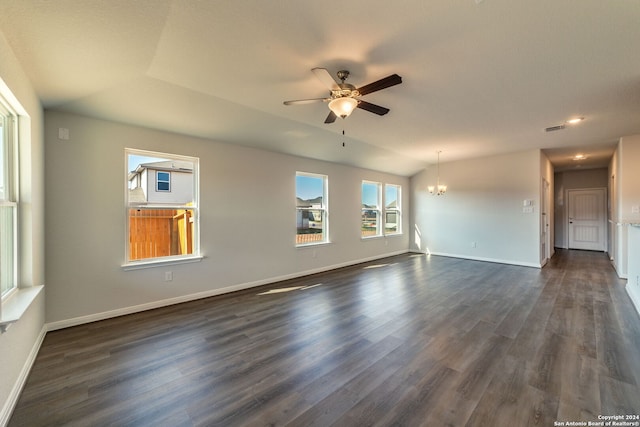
<point>9,196</point>
<point>324,209</point>
<point>193,207</point>
<point>377,209</point>
<point>397,210</point>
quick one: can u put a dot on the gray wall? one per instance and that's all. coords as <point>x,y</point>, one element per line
<point>247,199</point>
<point>481,216</point>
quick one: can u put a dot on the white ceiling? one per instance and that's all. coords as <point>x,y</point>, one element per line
<point>479,78</point>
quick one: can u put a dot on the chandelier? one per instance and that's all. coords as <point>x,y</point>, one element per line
<point>438,189</point>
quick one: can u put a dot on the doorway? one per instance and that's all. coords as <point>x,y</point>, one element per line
<point>587,219</point>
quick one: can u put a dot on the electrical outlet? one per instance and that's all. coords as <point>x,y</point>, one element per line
<point>474,244</point>
<point>63,134</point>
<point>168,276</point>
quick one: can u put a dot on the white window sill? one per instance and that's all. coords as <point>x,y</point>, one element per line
<point>161,262</point>
<point>311,245</point>
<point>16,305</point>
<point>377,236</point>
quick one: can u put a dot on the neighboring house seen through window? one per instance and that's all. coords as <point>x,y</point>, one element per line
<point>162,207</point>
<point>311,209</point>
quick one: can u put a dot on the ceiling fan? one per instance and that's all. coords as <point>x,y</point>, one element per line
<point>344,97</point>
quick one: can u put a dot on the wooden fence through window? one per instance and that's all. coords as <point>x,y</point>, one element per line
<point>160,232</point>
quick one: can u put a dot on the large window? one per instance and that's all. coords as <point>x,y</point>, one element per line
<point>376,220</point>
<point>8,201</point>
<point>371,209</point>
<point>311,209</point>
<point>392,213</point>
<point>162,207</point>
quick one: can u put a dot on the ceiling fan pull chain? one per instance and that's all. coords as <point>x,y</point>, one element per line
<point>343,138</point>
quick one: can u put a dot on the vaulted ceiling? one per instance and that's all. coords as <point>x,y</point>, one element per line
<point>480,77</point>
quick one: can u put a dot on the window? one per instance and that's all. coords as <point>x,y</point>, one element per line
<point>371,212</point>
<point>8,201</point>
<point>163,181</point>
<point>392,214</point>
<point>162,207</point>
<point>311,209</point>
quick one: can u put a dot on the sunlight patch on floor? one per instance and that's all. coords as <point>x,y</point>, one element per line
<point>290,289</point>
<point>378,265</point>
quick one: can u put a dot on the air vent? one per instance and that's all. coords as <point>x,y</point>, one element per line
<point>554,128</point>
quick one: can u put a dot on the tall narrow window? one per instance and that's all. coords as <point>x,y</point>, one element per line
<point>162,206</point>
<point>371,212</point>
<point>8,201</point>
<point>392,213</point>
<point>311,209</point>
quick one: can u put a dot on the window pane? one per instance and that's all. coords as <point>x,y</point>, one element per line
<point>157,233</point>
<point>311,209</point>
<point>159,180</point>
<point>369,223</point>
<point>391,197</point>
<point>391,222</point>
<point>392,214</point>
<point>7,262</point>
<point>370,195</point>
<point>309,191</point>
<point>310,227</point>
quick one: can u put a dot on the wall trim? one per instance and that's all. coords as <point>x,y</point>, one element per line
<point>67,323</point>
<point>12,400</point>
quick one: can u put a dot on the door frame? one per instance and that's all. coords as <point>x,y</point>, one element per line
<point>545,223</point>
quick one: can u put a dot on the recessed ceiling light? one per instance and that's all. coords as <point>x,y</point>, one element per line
<point>575,121</point>
<point>579,157</point>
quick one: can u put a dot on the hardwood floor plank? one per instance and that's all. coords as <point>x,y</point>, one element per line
<point>407,340</point>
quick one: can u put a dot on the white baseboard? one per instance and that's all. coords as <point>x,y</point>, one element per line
<point>10,403</point>
<point>67,323</point>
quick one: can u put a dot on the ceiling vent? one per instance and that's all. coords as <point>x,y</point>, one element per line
<point>554,128</point>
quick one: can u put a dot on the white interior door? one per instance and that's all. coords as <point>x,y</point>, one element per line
<point>587,219</point>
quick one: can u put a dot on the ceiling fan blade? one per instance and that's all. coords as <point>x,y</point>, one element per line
<point>323,75</point>
<point>388,81</point>
<point>305,101</point>
<point>373,108</point>
<point>331,117</point>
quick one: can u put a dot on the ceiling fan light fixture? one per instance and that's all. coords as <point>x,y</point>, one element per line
<point>343,106</point>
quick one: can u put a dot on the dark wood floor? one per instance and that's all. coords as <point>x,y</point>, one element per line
<point>408,340</point>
